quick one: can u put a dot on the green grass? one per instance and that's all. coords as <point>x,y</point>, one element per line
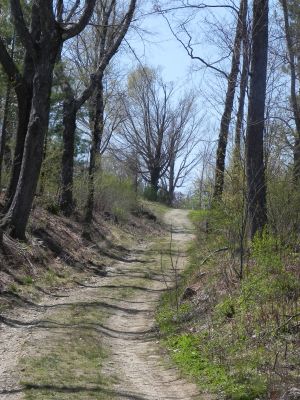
<point>231,349</point>
<point>27,280</point>
<point>190,352</point>
<point>158,209</point>
<point>67,361</point>
<point>68,368</point>
<point>197,216</point>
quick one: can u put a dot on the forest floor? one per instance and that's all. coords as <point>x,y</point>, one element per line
<point>99,340</point>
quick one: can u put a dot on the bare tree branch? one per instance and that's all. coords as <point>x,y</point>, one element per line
<point>21,27</point>
<point>189,48</point>
<point>83,21</point>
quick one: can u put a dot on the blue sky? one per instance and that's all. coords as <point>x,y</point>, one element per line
<point>158,47</point>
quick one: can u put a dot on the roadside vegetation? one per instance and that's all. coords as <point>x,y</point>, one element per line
<point>95,145</point>
<point>235,326</point>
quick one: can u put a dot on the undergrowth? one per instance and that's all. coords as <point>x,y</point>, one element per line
<point>236,337</point>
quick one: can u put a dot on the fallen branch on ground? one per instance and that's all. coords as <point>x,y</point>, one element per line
<point>213,253</point>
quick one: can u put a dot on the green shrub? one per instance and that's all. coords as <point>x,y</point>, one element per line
<point>53,208</point>
<point>113,194</point>
<point>27,280</point>
<point>169,316</point>
<point>150,193</point>
<point>226,308</point>
<point>284,209</point>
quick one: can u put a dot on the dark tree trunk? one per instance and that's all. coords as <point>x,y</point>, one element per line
<point>43,43</point>
<point>42,178</point>
<point>4,128</point>
<point>154,179</point>
<point>256,113</point>
<point>98,126</point>
<point>226,117</point>
<point>24,96</point>
<point>24,90</point>
<point>294,101</point>
<point>134,167</point>
<point>17,216</point>
<point>74,105</point>
<point>66,200</point>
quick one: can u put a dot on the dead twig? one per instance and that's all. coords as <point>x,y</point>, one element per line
<point>213,253</point>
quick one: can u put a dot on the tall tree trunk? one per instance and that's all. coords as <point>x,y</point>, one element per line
<point>16,218</point>
<point>98,126</point>
<point>3,138</point>
<point>171,183</point>
<point>42,178</point>
<point>154,179</point>
<point>4,127</point>
<point>294,102</point>
<point>226,117</point>
<point>24,91</point>
<point>241,105</point>
<point>105,55</point>
<point>255,124</point>
<point>43,43</point>
<point>66,200</point>
<point>24,96</point>
<point>135,171</point>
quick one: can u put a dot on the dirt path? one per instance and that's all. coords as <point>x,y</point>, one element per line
<point>128,332</point>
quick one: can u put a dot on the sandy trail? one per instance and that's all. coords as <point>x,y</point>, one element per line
<point>129,332</point>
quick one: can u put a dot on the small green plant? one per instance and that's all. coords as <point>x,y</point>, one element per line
<point>53,208</point>
<point>51,277</point>
<point>119,213</point>
<point>13,288</point>
<point>169,318</point>
<point>190,352</point>
<point>27,280</point>
<point>226,308</point>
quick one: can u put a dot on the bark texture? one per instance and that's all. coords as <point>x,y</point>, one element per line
<point>43,44</point>
<point>95,148</point>
<point>24,97</point>
<point>256,114</point>
<point>4,132</point>
<point>18,213</point>
<point>242,97</point>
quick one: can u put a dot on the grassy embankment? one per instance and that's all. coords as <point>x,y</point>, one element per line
<point>237,338</point>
